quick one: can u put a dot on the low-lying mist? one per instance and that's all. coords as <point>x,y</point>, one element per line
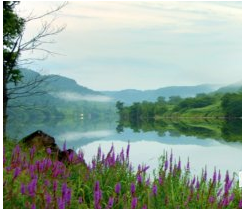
<point>74,97</point>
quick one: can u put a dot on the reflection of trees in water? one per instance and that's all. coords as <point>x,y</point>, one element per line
<point>230,130</point>
<point>189,130</point>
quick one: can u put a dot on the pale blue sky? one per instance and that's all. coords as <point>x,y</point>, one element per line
<point>145,45</point>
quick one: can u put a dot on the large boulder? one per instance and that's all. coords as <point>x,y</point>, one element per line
<point>41,140</point>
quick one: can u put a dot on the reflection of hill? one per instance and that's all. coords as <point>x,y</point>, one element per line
<point>217,129</point>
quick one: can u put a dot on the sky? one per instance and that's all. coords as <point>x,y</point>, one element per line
<point>141,45</point>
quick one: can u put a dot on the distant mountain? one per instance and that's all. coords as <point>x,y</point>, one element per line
<point>131,95</point>
<point>58,87</point>
<point>44,98</point>
<point>232,88</point>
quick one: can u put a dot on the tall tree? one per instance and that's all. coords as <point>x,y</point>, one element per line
<point>13,46</point>
<point>13,27</point>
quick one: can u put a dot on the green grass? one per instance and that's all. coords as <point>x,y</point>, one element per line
<point>35,179</point>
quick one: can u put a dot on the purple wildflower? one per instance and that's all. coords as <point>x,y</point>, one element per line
<point>227,177</point>
<point>219,192</point>
<point>219,176</point>
<point>81,156</point>
<point>166,165</point>
<point>16,155</point>
<point>47,199</point>
<point>227,186</point>
<point>47,182</point>
<point>97,186</point>
<point>32,187</point>
<point>80,200</point>
<point>214,176</point>
<point>132,188</point>
<point>231,197</point>
<point>55,185</point>
<point>110,202</point>
<point>154,189</point>
<point>64,146</point>
<point>211,199</point>
<point>147,183</point>
<point>97,195</point>
<point>68,196</point>
<point>179,165</point>
<point>93,164</point>
<point>139,178</point>
<point>48,150</point>
<point>171,160</point>
<point>64,190</point>
<point>16,172</point>
<point>240,204</point>
<point>145,168</point>
<point>193,180</point>
<point>188,165</point>
<point>205,174</point>
<point>144,207</point>
<point>197,184</point>
<point>32,152</point>
<point>33,206</point>
<point>134,202</point>
<point>117,188</point>
<point>122,155</point>
<point>61,203</point>
<point>99,153</point>
<point>71,156</point>
<point>171,157</point>
<point>160,180</point>
<point>22,189</point>
<point>127,151</point>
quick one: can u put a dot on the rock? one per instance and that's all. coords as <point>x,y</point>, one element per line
<point>40,140</point>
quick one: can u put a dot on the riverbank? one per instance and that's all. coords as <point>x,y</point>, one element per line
<point>36,179</point>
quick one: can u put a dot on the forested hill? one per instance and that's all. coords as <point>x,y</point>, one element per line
<point>130,96</point>
<point>56,83</point>
<point>44,97</point>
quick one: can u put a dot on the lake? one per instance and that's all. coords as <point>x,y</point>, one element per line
<point>210,143</point>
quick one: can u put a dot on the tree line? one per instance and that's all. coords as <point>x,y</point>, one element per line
<point>227,105</point>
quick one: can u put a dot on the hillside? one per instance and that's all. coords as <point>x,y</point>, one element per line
<point>130,96</point>
<point>235,87</point>
<point>47,97</point>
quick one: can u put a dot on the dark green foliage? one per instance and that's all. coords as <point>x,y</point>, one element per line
<point>197,102</point>
<point>232,104</point>
<point>13,27</point>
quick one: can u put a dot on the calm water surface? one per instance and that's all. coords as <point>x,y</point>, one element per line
<point>146,147</point>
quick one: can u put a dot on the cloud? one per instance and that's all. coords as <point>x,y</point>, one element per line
<point>118,45</point>
<point>75,97</point>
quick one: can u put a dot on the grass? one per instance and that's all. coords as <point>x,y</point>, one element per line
<point>36,179</point>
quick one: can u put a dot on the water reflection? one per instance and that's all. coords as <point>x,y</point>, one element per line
<point>228,130</point>
<point>221,156</point>
<point>215,143</point>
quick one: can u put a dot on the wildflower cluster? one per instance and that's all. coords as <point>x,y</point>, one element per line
<point>33,180</point>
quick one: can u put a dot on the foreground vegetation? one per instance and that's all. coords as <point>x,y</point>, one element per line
<point>36,179</point>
